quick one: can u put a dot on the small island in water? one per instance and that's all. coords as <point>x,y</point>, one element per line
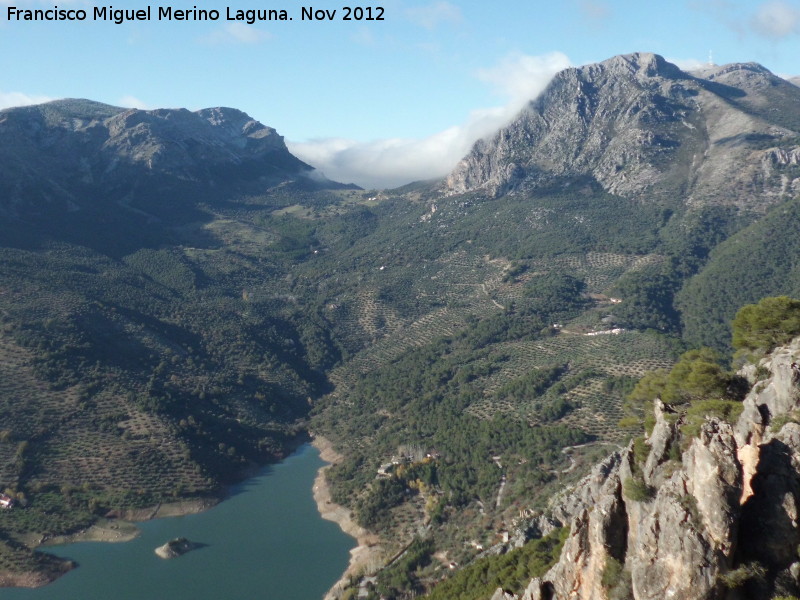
<point>177,547</point>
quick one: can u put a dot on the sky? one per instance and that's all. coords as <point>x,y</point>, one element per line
<point>382,102</point>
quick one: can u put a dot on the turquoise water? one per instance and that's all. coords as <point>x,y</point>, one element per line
<point>265,542</point>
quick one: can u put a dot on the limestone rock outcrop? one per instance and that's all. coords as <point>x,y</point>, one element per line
<point>177,547</point>
<point>642,128</point>
<point>723,522</point>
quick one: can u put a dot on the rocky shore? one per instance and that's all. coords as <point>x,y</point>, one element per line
<point>368,552</point>
<point>175,548</point>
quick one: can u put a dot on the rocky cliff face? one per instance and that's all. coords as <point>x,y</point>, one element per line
<point>644,129</point>
<point>720,522</point>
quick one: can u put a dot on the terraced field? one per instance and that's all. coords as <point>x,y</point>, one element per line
<point>472,287</point>
<point>597,412</point>
<point>57,437</point>
<point>464,284</point>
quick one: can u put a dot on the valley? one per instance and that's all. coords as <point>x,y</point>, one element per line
<point>181,300</point>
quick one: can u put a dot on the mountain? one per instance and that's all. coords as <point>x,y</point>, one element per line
<point>72,145</point>
<point>68,163</point>
<point>182,299</point>
<point>644,129</point>
<point>755,262</point>
<point>151,349</point>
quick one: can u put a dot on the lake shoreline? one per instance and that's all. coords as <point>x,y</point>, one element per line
<point>119,525</point>
<point>263,536</point>
<point>368,551</point>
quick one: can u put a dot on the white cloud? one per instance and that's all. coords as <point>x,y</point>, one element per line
<point>133,102</point>
<point>521,77</point>
<point>776,19</point>
<point>432,15</point>
<point>237,33</point>
<point>9,99</point>
<point>393,162</point>
<point>773,19</point>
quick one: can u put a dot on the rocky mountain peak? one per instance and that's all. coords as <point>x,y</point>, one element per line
<point>642,65</point>
<point>218,134</point>
<point>643,129</point>
<point>237,123</point>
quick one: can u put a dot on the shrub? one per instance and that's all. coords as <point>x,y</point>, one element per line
<point>770,323</point>
<point>727,410</point>
<point>637,490</point>
<point>698,374</point>
<point>738,577</point>
<point>640,450</point>
<point>778,422</point>
<point>611,572</point>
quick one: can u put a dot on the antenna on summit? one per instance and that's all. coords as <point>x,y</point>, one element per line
<point>710,58</point>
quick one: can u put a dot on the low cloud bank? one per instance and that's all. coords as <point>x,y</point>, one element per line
<point>387,163</point>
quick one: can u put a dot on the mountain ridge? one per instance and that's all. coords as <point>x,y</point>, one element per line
<point>643,129</point>
<point>69,152</point>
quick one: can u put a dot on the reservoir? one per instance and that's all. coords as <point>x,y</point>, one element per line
<point>266,542</point>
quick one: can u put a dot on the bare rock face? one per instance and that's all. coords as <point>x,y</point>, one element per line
<point>501,594</point>
<point>643,128</point>
<point>177,547</point>
<point>684,537</point>
<point>599,532</point>
<point>714,479</point>
<point>721,523</point>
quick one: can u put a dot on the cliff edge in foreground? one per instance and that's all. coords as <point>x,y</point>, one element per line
<point>692,515</point>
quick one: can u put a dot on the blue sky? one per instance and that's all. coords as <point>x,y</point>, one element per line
<point>376,102</point>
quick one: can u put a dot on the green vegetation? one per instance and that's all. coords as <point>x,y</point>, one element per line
<point>697,376</point>
<point>161,336</point>
<point>637,490</point>
<point>753,263</point>
<point>741,575</point>
<point>763,326</point>
<point>777,423</point>
<point>697,387</point>
<point>648,301</point>
<point>512,571</point>
<point>196,331</point>
<point>613,574</point>
<point>401,576</point>
<point>698,412</point>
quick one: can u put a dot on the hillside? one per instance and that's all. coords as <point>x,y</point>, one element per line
<point>755,262</point>
<point>182,299</point>
<point>150,350</point>
<point>712,515</point>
